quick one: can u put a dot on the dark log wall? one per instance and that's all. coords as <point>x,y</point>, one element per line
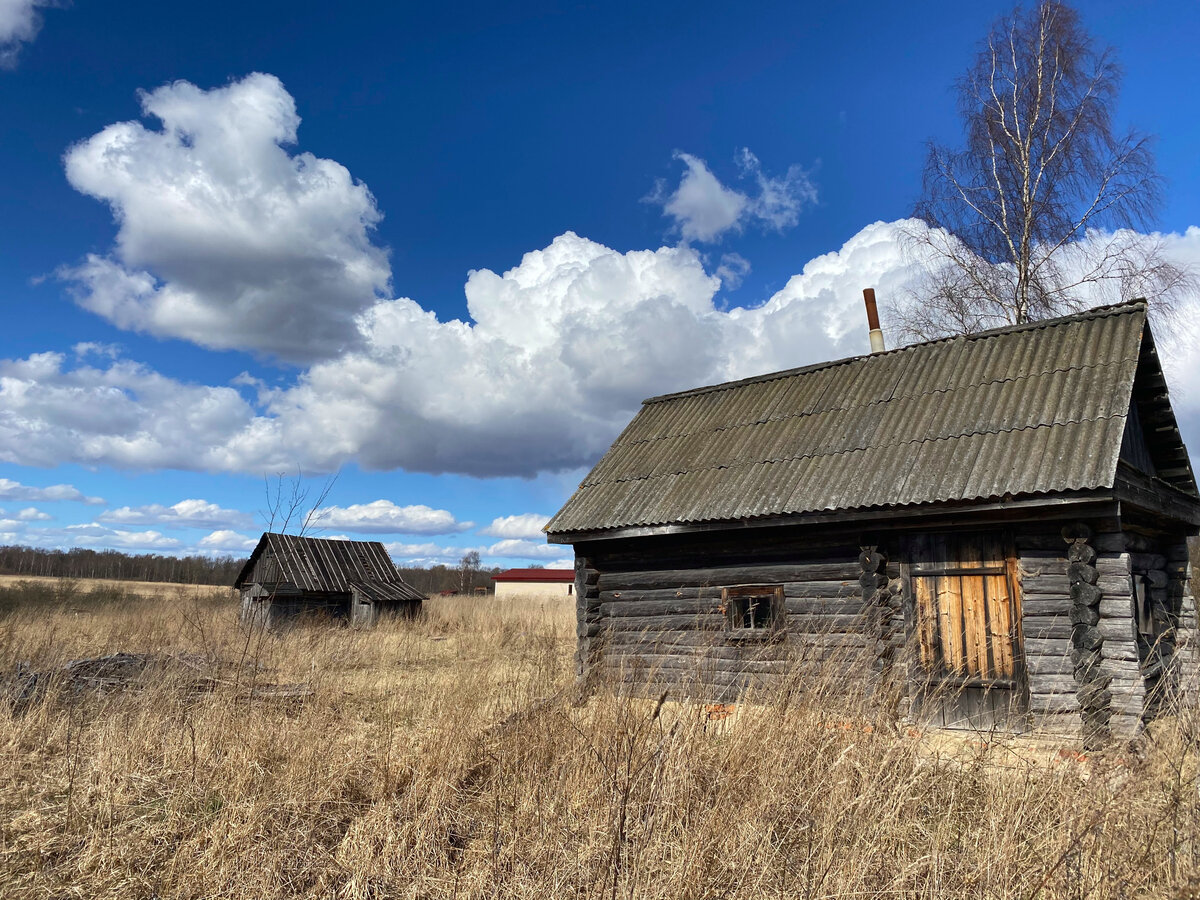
<point>1090,666</point>
<point>649,615</point>
<point>1185,664</point>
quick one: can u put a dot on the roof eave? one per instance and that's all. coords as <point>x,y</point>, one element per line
<point>912,513</point>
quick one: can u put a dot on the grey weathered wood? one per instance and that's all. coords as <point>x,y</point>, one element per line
<point>816,623</point>
<point>1125,726</point>
<point>1033,563</point>
<point>1047,647</point>
<point>1040,627</point>
<point>1077,572</point>
<point>1040,704</point>
<point>1116,629</point>
<point>1120,651</point>
<point>1114,584</point>
<point>1113,565</point>
<point>831,571</point>
<point>1063,597</point>
<point>665,637</point>
<point>1041,605</point>
<point>1054,683</point>
<point>831,590</point>
<point>712,621</point>
<point>682,606</point>
<point>1059,722</point>
<point>1116,607</point>
<point>1048,665</point>
<point>703,666</point>
<point>1081,552</point>
<point>821,606</point>
<point>1046,584</point>
<point>790,651</point>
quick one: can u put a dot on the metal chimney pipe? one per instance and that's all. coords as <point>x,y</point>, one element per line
<point>873,321</point>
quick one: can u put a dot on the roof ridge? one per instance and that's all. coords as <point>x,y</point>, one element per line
<point>309,537</point>
<point>1097,312</point>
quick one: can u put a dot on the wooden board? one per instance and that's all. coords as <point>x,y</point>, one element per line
<point>967,610</point>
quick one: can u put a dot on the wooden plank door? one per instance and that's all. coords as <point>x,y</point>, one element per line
<point>966,606</point>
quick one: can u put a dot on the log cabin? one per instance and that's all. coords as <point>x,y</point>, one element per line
<point>994,525</point>
<point>288,577</point>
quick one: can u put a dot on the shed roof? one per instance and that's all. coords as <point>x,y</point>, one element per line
<point>1029,409</point>
<point>386,591</point>
<point>324,564</point>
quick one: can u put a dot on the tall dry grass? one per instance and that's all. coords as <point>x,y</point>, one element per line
<point>448,756</point>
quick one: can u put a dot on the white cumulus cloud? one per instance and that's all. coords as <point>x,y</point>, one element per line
<point>533,550</point>
<point>124,415</point>
<point>704,209</point>
<point>426,553</point>
<point>226,540</point>
<point>228,239</point>
<point>14,490</point>
<point>525,525</point>
<point>225,238</point>
<point>559,352</point>
<point>94,534</point>
<point>185,513</point>
<point>33,514</point>
<point>20,22</point>
<point>385,517</point>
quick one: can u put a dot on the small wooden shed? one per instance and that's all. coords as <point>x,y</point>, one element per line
<point>288,576</point>
<point>994,525</point>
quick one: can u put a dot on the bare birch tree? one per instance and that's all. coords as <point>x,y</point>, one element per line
<point>1041,212</point>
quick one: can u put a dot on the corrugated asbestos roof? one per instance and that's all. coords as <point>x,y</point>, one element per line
<point>1024,410</point>
<point>319,564</point>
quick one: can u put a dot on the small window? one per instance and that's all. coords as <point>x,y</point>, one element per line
<point>570,589</point>
<point>756,609</point>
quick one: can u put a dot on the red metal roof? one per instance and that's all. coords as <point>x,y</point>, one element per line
<point>562,576</point>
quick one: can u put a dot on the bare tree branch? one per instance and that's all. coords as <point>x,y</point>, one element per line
<point>1040,212</point>
<point>287,502</point>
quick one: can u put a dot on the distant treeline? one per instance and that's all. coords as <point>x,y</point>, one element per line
<point>85,563</point>
<point>447,578</point>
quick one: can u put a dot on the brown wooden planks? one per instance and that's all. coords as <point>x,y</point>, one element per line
<point>950,622</point>
<point>975,625</point>
<point>999,609</point>
<point>926,620</point>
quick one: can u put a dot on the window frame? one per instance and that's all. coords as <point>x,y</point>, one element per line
<point>936,556</point>
<point>733,598</point>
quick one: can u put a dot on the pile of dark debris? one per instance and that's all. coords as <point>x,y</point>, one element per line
<point>193,674</point>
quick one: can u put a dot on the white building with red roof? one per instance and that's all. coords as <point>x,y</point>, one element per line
<point>535,583</point>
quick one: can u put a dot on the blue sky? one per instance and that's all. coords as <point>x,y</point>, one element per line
<point>444,252</point>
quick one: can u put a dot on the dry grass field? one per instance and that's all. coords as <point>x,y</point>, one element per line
<point>87,586</point>
<point>449,756</point>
